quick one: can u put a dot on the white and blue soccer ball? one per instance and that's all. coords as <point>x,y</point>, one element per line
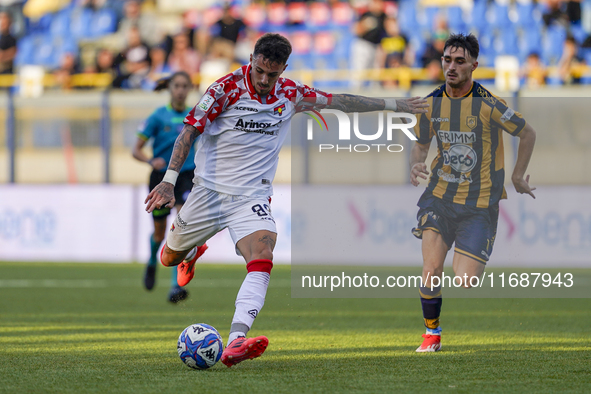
<point>200,346</point>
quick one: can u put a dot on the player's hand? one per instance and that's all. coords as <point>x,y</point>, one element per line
<point>522,186</point>
<point>161,195</point>
<point>158,163</point>
<point>413,105</point>
<point>419,170</point>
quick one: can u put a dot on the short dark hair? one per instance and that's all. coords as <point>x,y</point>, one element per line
<point>273,47</point>
<point>468,42</point>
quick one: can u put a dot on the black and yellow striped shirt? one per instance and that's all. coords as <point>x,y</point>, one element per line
<point>469,167</point>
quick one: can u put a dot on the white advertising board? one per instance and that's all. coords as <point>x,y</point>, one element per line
<point>333,224</point>
<point>66,223</point>
<point>372,226</point>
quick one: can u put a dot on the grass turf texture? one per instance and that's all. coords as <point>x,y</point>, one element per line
<point>93,328</point>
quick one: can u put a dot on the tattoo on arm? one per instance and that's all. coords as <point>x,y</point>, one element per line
<point>268,241</point>
<point>353,103</point>
<point>182,146</point>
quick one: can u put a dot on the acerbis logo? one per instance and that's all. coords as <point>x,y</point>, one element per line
<point>246,109</point>
<point>461,158</point>
<point>345,130</point>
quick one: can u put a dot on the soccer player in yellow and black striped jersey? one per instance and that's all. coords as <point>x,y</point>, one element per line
<point>466,181</point>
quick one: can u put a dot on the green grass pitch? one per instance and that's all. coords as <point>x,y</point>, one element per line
<point>93,328</point>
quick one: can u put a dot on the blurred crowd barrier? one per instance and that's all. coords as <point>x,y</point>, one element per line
<point>86,137</point>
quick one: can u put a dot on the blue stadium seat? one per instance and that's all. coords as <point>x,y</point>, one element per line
<point>578,32</point>
<point>427,17</point>
<point>586,55</point>
<point>455,19</point>
<point>418,44</point>
<point>45,55</point>
<point>81,23</point>
<point>25,53</point>
<point>499,16</point>
<point>507,42</point>
<point>41,25</point>
<point>552,43</point>
<point>104,21</point>
<point>60,25</point>
<point>478,18</point>
<point>407,17</point>
<point>530,42</point>
<point>487,49</point>
<point>527,14</point>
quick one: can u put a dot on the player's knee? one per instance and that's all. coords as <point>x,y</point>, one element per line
<point>431,272</point>
<point>167,259</point>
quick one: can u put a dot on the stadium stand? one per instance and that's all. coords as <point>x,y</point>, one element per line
<point>322,31</point>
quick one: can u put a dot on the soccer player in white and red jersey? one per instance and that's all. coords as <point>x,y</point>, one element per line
<point>243,119</point>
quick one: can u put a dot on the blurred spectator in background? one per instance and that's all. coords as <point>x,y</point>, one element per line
<point>158,68</point>
<point>434,72</point>
<point>533,72</point>
<point>434,50</point>
<point>394,46</point>
<point>133,63</point>
<point>68,67</point>
<point>183,57</point>
<point>145,22</point>
<point>369,30</point>
<point>14,8</point>
<point>562,12</point>
<point>224,35</point>
<point>7,45</point>
<point>568,60</point>
<point>103,62</point>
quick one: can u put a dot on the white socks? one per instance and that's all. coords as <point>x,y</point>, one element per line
<point>249,302</point>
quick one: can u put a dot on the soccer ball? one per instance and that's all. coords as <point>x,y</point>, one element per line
<point>200,346</point>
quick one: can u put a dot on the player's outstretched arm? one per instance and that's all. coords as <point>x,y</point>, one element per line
<point>527,140</point>
<point>418,168</point>
<point>163,193</point>
<point>354,103</point>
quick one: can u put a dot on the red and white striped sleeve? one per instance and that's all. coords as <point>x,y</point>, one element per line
<point>216,99</point>
<point>308,98</point>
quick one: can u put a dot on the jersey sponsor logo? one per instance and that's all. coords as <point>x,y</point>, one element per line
<point>279,110</point>
<point>206,102</point>
<point>461,158</point>
<point>246,109</point>
<point>451,178</point>
<point>507,115</point>
<point>439,120</point>
<point>250,126</point>
<point>456,137</point>
<point>471,122</point>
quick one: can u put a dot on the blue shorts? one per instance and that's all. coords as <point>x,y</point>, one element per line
<point>472,229</point>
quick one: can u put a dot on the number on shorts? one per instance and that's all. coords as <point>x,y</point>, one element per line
<point>261,210</point>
